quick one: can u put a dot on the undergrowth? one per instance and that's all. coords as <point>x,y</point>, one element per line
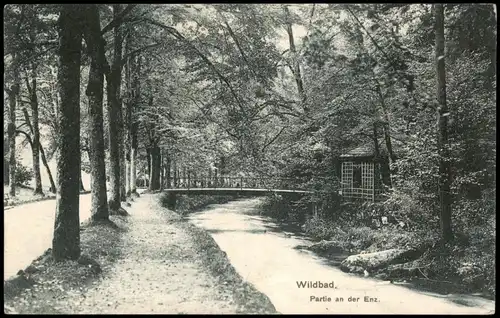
<point>188,204</point>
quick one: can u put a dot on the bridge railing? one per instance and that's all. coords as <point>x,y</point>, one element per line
<point>236,182</point>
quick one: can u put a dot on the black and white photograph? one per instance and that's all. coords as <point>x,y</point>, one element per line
<point>249,158</point>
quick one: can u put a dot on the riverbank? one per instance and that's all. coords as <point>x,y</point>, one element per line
<point>392,253</point>
<point>246,297</point>
<point>148,262</point>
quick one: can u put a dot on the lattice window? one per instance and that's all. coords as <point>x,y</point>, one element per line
<point>347,171</point>
<point>358,180</point>
<point>367,175</point>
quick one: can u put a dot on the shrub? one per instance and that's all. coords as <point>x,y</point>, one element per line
<point>184,204</point>
<point>320,229</point>
<point>282,209</point>
<point>24,174</point>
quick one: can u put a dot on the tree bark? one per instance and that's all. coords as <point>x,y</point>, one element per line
<point>148,155</point>
<point>127,177</point>
<point>6,173</point>
<point>46,165</point>
<point>42,153</point>
<point>115,118</point>
<point>36,133</point>
<point>443,113</point>
<point>66,241</point>
<point>295,68</point>
<point>162,169</point>
<point>11,129</point>
<point>95,94</point>
<point>128,116</point>
<point>133,160</point>
<point>136,89</point>
<point>174,168</point>
<point>386,127</point>
<point>216,178</point>
<point>184,176</point>
<point>154,183</point>
<point>123,175</point>
<point>168,174</point>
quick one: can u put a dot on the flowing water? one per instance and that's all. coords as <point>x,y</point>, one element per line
<point>265,256</point>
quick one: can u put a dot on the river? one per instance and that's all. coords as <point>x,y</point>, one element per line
<point>266,258</point>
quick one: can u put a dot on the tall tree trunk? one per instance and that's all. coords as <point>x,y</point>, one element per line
<point>42,153</point>
<point>46,165</point>
<point>216,178</point>
<point>176,176</point>
<point>210,182</point>
<point>184,176</point>
<point>154,183</point>
<point>162,169</point>
<point>295,68</point>
<point>127,176</point>
<point>383,173</point>
<point>148,155</point>
<point>95,94</point>
<point>128,115</point>
<point>444,165</point>
<point>387,137</point>
<point>115,114</point>
<point>133,160</point>
<point>386,126</point>
<point>123,175</point>
<point>66,241</point>
<point>134,127</point>
<point>36,133</point>
<point>6,173</point>
<point>169,175</point>
<point>11,128</point>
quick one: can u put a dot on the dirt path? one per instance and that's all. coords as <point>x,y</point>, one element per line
<point>158,271</point>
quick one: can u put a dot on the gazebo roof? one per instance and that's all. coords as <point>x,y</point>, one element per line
<point>368,150</point>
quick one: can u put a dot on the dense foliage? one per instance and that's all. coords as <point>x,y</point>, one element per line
<point>272,90</point>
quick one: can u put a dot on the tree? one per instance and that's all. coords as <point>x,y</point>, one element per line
<point>11,131</point>
<point>32,90</point>
<point>115,116</point>
<point>95,94</point>
<point>66,241</point>
<point>443,113</point>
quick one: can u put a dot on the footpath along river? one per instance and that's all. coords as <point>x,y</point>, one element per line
<point>267,259</point>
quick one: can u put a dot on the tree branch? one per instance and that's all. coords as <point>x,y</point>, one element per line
<point>368,33</point>
<point>27,119</point>
<point>180,37</point>
<point>28,137</point>
<point>139,50</point>
<point>119,19</point>
<point>273,139</point>
<point>240,49</point>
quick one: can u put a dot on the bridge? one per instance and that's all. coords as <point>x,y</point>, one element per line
<point>229,185</point>
<point>235,185</point>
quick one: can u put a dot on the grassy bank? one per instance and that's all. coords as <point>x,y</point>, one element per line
<point>24,194</point>
<point>189,204</point>
<point>248,299</point>
<point>465,265</point>
<point>43,286</point>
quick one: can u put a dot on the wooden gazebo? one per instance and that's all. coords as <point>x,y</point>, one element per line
<point>363,174</point>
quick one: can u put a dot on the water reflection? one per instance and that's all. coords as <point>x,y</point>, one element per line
<point>265,254</point>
